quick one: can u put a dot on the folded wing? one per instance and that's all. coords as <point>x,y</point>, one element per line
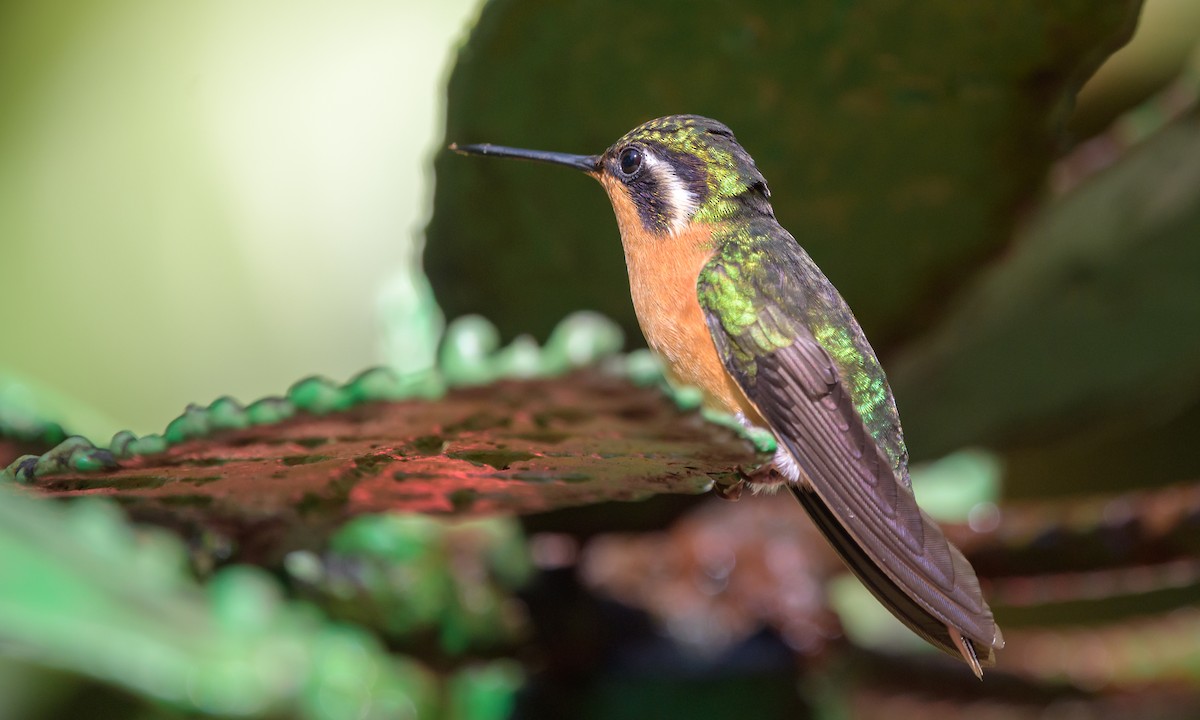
<point>852,487</point>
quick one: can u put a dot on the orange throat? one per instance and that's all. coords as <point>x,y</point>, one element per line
<point>663,269</point>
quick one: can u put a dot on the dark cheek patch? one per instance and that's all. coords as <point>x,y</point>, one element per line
<point>649,195</point>
<point>651,203</point>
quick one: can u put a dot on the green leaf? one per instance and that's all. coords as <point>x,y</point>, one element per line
<point>1089,320</point>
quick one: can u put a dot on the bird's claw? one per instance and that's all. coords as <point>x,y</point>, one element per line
<point>732,491</point>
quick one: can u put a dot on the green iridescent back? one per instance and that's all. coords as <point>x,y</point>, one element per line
<point>766,292</point>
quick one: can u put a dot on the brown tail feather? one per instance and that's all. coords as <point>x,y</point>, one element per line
<point>937,633</point>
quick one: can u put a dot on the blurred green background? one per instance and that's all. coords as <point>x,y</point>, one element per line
<point>210,198</point>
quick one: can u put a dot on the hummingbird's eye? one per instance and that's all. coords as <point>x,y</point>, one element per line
<point>630,160</point>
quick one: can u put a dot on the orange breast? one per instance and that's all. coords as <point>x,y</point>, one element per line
<point>662,280</point>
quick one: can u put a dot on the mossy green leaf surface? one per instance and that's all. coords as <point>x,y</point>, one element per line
<point>899,140</point>
<point>508,448</point>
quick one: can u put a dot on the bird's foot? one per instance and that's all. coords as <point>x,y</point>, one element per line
<point>731,491</point>
<point>762,479</point>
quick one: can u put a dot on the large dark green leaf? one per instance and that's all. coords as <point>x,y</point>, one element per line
<point>899,138</point>
<point>1091,320</point>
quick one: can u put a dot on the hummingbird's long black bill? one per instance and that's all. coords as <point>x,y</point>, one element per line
<point>587,163</point>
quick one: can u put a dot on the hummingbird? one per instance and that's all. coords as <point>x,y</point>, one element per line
<point>733,305</point>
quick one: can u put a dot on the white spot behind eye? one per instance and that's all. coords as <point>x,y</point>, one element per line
<point>681,202</point>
